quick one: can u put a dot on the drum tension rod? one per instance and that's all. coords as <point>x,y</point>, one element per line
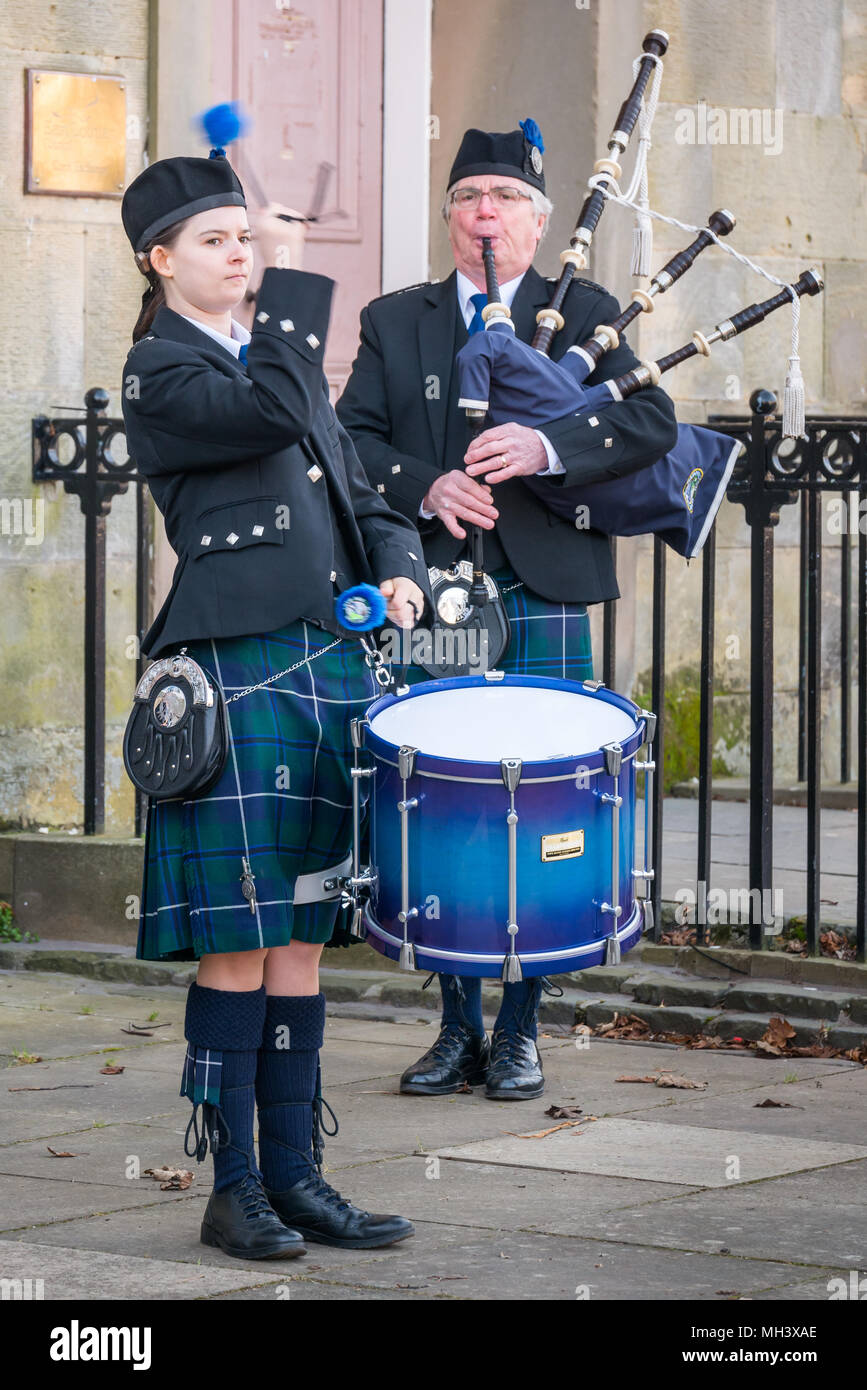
<point>358,882</point>
<point>510,770</point>
<point>648,767</point>
<point>613,754</point>
<point>406,767</point>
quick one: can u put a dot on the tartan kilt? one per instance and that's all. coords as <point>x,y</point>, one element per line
<point>283,802</point>
<point>547,638</point>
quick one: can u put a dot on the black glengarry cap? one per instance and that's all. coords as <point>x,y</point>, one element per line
<point>515,153</point>
<point>172,189</point>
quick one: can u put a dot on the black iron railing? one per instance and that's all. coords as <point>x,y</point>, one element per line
<point>83,454</point>
<point>772,473</point>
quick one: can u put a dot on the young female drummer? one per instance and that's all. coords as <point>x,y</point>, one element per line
<point>271,515</point>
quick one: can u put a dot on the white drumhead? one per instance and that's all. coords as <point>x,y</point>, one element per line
<point>484,723</point>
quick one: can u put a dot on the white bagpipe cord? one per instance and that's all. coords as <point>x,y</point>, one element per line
<point>793,396</point>
<point>642,233</point>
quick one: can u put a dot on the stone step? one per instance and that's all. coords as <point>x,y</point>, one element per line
<point>676,989</point>
<point>693,1020</point>
<point>722,962</point>
<point>719,1023</point>
<point>806,1002</point>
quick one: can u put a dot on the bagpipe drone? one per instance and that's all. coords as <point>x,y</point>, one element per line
<point>503,379</point>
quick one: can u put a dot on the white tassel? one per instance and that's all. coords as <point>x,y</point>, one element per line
<point>794,412</point>
<point>642,234</point>
<point>793,395</point>
<point>642,245</point>
<point>512,972</point>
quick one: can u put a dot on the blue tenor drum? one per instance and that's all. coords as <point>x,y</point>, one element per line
<point>502,825</point>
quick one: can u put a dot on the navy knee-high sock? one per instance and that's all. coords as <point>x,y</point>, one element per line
<point>462,1001</point>
<point>224,1030</point>
<point>286,1087</point>
<point>519,1011</point>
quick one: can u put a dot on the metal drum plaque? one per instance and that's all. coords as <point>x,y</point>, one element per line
<point>76,134</point>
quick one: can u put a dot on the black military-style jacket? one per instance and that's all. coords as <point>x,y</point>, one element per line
<point>400,408</point>
<point>265,501</point>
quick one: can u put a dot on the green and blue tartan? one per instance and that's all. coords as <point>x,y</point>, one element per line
<point>202,1077</point>
<point>547,638</point>
<point>283,801</point>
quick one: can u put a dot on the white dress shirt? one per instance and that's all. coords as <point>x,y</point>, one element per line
<point>240,335</point>
<point>466,289</point>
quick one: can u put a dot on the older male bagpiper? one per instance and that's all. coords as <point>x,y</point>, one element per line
<point>400,407</point>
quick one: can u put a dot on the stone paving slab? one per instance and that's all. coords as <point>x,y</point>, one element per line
<point>458,1260</point>
<point>516,1265</point>
<point>483,1229</point>
<point>741,1112</point>
<point>72,1273</point>
<point>488,1196</point>
<point>171,1234</point>
<point>60,993</point>
<point>103,1154</point>
<point>817,1217</point>
<point>642,1148</point>
<point>296,1289</point>
<point>30,1202</point>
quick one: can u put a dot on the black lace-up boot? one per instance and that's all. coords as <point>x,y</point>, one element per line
<point>460,1053</point>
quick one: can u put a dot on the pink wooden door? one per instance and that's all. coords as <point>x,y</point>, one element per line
<point>310,79</point>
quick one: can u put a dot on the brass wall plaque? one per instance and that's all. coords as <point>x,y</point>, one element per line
<point>76,134</point>
<point>567,845</point>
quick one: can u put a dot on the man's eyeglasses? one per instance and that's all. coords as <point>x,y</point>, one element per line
<point>468,199</point>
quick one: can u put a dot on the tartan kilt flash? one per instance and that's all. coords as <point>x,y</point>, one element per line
<point>283,802</point>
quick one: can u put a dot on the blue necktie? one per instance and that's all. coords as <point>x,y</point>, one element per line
<point>477,323</point>
<point>242,355</point>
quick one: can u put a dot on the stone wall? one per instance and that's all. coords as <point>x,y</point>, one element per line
<point>69,302</point>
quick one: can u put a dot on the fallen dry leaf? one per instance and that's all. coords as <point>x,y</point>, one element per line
<point>110,1071</point>
<point>679,936</point>
<point>680,1083</point>
<point>171,1179</point>
<point>624,1026</point>
<point>666,1078</point>
<point>778,1032</point>
<point>61,1153</point>
<point>564,1112</point>
<point>465,1089</point>
<point>833,943</point>
<point>543,1133</point>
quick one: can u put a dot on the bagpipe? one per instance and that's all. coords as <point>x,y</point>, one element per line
<point>503,379</point>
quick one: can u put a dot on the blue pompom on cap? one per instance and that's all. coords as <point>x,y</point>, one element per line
<point>362,607</point>
<point>222,126</point>
<point>532,133</point>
